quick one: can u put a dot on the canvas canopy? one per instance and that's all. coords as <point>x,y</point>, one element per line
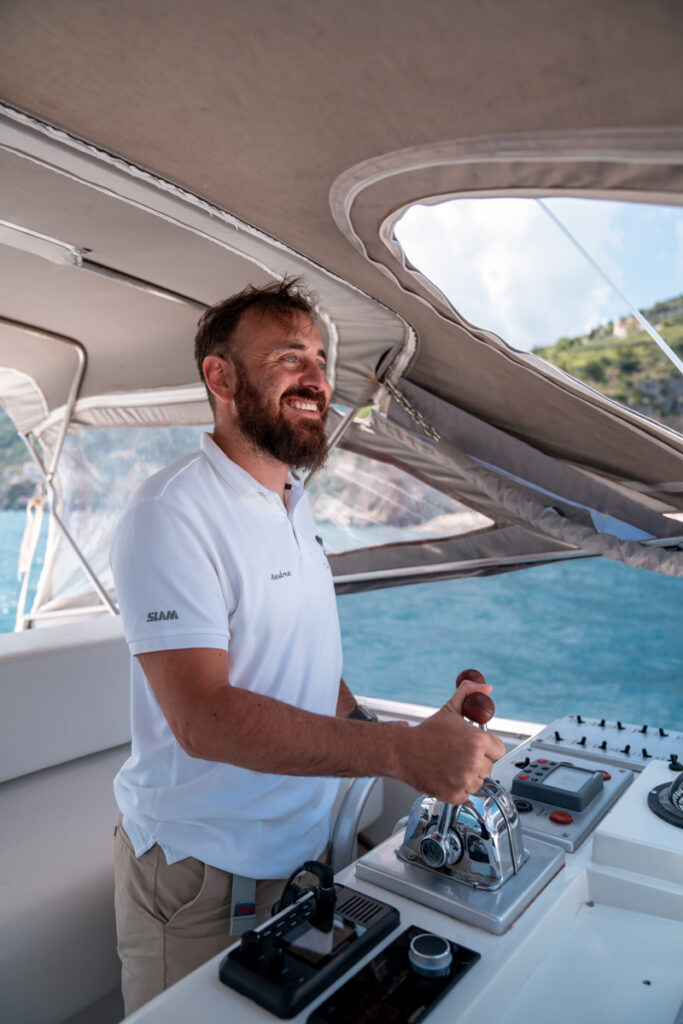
<point>158,157</point>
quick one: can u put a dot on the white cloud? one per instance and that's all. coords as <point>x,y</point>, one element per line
<point>506,267</point>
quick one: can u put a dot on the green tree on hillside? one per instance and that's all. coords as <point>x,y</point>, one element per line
<point>624,363</point>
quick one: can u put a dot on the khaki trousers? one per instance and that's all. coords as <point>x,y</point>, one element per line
<point>170,919</point>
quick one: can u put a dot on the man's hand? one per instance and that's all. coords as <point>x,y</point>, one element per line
<point>447,757</point>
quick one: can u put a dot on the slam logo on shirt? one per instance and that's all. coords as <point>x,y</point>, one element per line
<point>161,616</point>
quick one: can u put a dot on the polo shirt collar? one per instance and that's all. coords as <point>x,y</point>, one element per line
<point>236,477</point>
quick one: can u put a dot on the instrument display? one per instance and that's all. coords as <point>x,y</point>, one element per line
<point>559,783</point>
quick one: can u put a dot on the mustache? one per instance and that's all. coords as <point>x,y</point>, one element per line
<point>308,395</point>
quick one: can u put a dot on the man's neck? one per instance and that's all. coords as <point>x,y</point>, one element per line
<point>267,470</point>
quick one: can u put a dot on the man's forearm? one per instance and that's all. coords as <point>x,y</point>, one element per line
<point>444,756</point>
<point>267,735</point>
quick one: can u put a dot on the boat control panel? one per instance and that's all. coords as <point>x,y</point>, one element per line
<point>401,983</point>
<point>288,961</point>
<point>560,797</point>
<point>612,743</point>
<point>482,863</point>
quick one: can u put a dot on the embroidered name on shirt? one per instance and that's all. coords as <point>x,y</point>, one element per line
<point>279,575</point>
<point>161,616</point>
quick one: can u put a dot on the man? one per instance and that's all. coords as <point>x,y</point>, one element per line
<point>239,714</point>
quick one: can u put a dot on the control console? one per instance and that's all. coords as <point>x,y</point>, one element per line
<point>613,743</point>
<point>401,983</point>
<point>560,798</point>
<point>288,961</point>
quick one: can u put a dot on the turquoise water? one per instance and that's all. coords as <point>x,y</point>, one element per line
<point>590,637</point>
<point>11,531</point>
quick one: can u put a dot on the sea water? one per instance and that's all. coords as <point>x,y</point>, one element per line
<point>585,636</point>
<point>588,636</point>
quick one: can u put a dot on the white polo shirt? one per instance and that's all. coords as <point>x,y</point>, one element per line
<point>205,556</point>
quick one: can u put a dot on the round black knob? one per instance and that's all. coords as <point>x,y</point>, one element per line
<point>430,955</point>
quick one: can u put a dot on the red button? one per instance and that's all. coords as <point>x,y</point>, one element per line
<point>542,760</point>
<point>561,817</point>
<point>522,776</point>
<point>606,775</point>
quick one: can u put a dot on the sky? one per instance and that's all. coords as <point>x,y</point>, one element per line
<point>507,267</point>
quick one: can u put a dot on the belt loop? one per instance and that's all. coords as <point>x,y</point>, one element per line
<point>242,904</point>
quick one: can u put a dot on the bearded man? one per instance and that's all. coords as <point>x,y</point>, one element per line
<point>240,717</point>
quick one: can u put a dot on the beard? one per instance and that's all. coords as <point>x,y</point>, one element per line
<point>302,444</point>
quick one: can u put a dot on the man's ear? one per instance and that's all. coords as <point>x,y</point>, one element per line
<point>221,377</point>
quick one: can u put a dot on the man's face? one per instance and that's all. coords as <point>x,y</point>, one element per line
<point>282,394</point>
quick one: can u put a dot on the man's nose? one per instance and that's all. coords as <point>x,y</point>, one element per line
<point>313,376</point>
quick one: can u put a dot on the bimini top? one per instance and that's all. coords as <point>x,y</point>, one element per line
<point>158,158</point>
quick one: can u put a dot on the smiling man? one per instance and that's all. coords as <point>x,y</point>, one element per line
<point>240,717</point>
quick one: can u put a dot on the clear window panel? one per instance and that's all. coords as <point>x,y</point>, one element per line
<point>508,268</point>
<point>358,503</point>
<point>99,471</point>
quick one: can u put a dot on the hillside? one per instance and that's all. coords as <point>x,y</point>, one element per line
<point>620,360</point>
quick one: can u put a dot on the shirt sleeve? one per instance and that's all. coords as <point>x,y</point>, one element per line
<point>170,592</point>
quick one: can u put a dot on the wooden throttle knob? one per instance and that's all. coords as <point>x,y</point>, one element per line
<point>473,674</point>
<point>478,707</point>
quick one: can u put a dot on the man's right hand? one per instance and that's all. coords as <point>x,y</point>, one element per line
<point>447,757</point>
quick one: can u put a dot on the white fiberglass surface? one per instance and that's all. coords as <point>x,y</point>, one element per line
<point>612,964</point>
<point>508,267</point>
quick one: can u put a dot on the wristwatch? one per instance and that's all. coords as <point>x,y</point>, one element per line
<point>364,714</point>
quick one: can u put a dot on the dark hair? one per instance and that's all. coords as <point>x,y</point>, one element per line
<point>217,326</point>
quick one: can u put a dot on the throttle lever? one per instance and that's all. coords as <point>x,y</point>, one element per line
<point>478,707</point>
